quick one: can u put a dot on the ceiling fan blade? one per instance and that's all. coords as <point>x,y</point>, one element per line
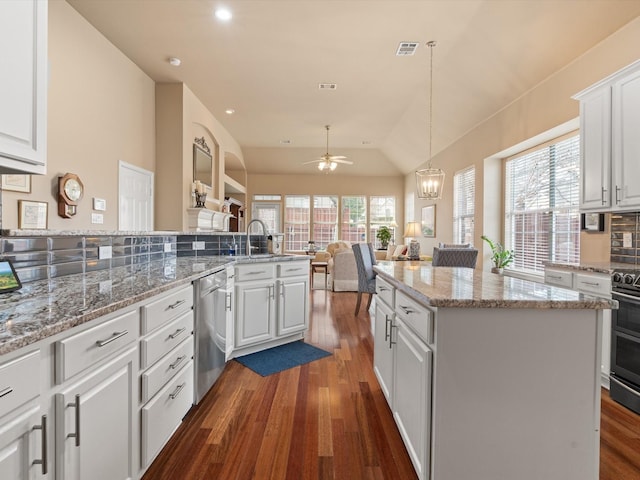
<point>313,161</point>
<point>340,160</point>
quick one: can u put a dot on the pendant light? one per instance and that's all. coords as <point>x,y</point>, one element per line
<point>429,181</point>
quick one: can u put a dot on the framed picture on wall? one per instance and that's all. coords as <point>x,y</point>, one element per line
<point>32,215</point>
<point>592,222</point>
<point>429,221</point>
<point>16,183</point>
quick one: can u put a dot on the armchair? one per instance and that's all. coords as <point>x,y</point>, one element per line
<point>454,257</point>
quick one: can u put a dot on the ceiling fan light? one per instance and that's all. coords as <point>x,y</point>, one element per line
<point>333,166</point>
<point>322,165</point>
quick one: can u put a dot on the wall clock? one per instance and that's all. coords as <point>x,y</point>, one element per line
<point>70,190</point>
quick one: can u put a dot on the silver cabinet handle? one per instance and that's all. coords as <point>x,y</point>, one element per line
<point>384,289</point>
<point>406,310</point>
<point>271,292</point>
<point>256,272</point>
<point>114,337</point>
<point>177,332</point>
<point>293,269</point>
<point>177,391</point>
<point>76,435</point>
<point>176,305</point>
<point>555,277</point>
<point>604,191</point>
<point>593,284</point>
<point>6,391</point>
<point>617,191</point>
<point>43,432</point>
<point>391,342</point>
<point>177,362</point>
<point>227,306</point>
<point>386,327</point>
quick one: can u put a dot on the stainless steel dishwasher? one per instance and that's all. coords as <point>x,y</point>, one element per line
<point>213,312</point>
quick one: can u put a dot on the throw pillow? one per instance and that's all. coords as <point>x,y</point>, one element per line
<point>400,250</point>
<point>389,255</point>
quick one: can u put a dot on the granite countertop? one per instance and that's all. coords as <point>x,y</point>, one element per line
<point>468,288</point>
<point>43,308</point>
<point>595,267</point>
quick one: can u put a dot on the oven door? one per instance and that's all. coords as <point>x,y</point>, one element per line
<point>627,317</point>
<point>625,338</point>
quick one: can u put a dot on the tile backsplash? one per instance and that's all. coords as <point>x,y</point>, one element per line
<point>42,257</point>
<point>625,232</point>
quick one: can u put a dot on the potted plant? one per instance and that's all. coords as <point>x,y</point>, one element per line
<point>500,256</point>
<point>384,235</point>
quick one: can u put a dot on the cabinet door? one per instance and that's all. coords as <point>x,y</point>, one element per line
<point>254,312</point>
<point>229,314</point>
<point>23,49</point>
<point>382,350</point>
<point>595,145</point>
<point>94,420</point>
<point>22,450</point>
<point>626,141</point>
<point>412,396</point>
<point>293,307</point>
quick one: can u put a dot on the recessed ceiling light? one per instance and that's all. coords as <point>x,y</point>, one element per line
<point>223,14</point>
<point>175,61</point>
<point>285,142</point>
<point>366,142</point>
<point>229,111</point>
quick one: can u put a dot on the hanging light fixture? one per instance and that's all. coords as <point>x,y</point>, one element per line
<point>430,180</point>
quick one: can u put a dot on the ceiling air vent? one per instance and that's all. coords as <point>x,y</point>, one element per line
<point>327,86</point>
<point>406,48</point>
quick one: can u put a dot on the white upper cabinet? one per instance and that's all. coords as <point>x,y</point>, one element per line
<point>23,86</point>
<point>610,146</point>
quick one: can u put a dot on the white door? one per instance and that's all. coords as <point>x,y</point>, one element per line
<point>292,305</point>
<point>135,198</point>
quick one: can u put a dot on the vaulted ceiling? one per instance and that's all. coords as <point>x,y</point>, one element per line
<point>267,62</point>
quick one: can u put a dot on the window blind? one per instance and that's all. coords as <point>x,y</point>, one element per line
<point>297,220</point>
<point>382,212</point>
<point>354,218</point>
<point>464,199</point>
<point>542,220</point>
<point>325,220</point>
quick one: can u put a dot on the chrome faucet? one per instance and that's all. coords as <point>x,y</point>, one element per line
<point>264,231</point>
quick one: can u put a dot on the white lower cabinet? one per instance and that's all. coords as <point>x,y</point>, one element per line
<point>23,446</point>
<point>94,427</point>
<point>412,395</point>
<point>292,305</point>
<point>403,365</point>
<point>163,414</point>
<point>271,304</point>
<point>383,349</point>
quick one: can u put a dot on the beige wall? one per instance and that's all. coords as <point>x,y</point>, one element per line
<point>100,110</point>
<point>181,117</point>
<point>540,110</point>
<point>328,184</point>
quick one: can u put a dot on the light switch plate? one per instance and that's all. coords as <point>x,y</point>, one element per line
<point>198,246</point>
<point>99,204</point>
<point>105,252</point>
<point>97,218</point>
<point>167,247</point>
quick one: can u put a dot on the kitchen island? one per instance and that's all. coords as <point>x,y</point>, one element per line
<point>489,377</point>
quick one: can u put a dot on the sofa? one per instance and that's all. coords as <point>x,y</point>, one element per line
<point>342,267</point>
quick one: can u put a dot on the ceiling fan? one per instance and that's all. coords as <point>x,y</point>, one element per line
<point>329,162</point>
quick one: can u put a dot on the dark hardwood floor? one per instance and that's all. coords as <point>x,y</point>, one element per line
<point>327,419</point>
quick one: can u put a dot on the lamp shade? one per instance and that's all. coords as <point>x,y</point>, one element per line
<point>413,230</point>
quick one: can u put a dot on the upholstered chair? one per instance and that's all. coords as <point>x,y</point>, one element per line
<point>454,257</point>
<point>365,260</point>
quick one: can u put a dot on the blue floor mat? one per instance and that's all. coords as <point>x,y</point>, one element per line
<point>283,357</point>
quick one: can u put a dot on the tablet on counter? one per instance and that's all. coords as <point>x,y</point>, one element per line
<point>9,280</point>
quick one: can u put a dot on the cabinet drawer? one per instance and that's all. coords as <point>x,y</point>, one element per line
<point>559,278</point>
<point>156,345</point>
<point>163,414</point>
<point>155,377</point>
<point>256,271</point>
<point>293,269</point>
<point>174,303</point>
<point>83,349</point>
<point>386,292</point>
<point>416,316</point>
<point>595,284</point>
<point>19,381</point>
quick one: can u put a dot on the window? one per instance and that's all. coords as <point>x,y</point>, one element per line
<point>542,221</point>
<point>354,219</point>
<point>297,221</point>
<point>269,213</point>
<point>464,205</point>
<point>325,220</point>
<point>382,212</point>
